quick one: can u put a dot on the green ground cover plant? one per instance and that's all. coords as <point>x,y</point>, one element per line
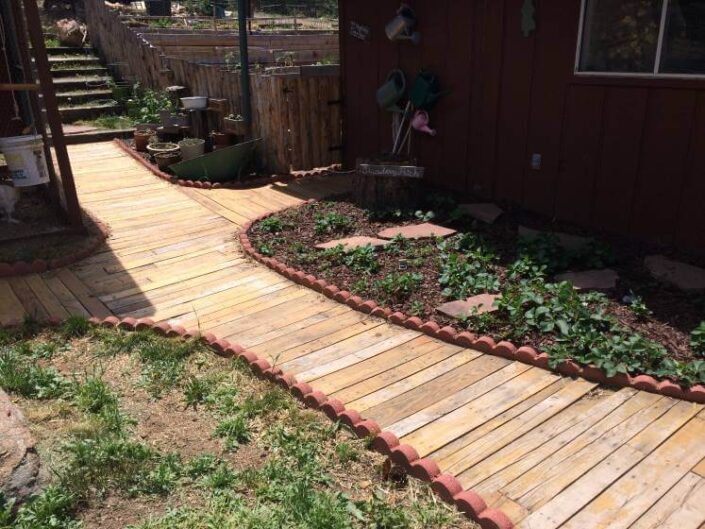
<point>618,332</point>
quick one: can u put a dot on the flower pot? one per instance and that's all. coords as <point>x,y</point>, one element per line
<point>220,140</point>
<point>192,148</point>
<point>235,126</point>
<point>165,159</point>
<point>162,148</point>
<point>195,103</point>
<point>142,139</point>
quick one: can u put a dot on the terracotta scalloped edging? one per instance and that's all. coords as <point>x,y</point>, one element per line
<point>20,268</point>
<point>254,182</point>
<point>446,486</point>
<point>485,344</point>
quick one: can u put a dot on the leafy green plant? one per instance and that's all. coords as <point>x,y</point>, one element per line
<point>197,390</point>
<point>346,452</point>
<point>697,340</point>
<point>75,327</point>
<point>637,305</point>
<point>53,508</point>
<point>234,430</point>
<point>332,223</point>
<point>463,275</point>
<point>398,287</point>
<point>417,308</point>
<point>272,224</point>
<point>146,104</point>
<point>21,375</point>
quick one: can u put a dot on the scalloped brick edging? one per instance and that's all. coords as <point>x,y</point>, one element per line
<point>485,344</point>
<point>446,486</point>
<point>254,182</point>
<point>20,268</point>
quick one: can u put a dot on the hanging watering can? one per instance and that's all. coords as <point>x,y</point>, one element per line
<point>399,28</point>
<point>389,94</point>
<point>421,121</point>
<point>425,91</point>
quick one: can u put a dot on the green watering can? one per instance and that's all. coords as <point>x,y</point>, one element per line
<point>425,91</point>
<point>389,94</point>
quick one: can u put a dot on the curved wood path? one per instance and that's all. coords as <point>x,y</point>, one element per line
<point>549,451</point>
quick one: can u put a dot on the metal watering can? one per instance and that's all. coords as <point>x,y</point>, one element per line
<point>399,28</point>
<point>425,92</point>
<point>389,94</point>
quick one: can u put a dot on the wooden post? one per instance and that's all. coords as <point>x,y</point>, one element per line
<point>36,37</point>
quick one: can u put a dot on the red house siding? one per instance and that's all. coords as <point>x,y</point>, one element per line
<point>620,154</point>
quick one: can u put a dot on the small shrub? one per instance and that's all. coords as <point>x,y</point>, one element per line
<point>272,224</point>
<point>332,223</point>
<point>463,275</point>
<point>398,287</point>
<point>697,340</point>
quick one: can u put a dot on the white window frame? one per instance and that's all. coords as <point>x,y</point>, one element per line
<point>642,75</point>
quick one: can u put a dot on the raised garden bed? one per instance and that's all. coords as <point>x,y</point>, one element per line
<point>253,181</point>
<point>163,433</point>
<point>640,327</point>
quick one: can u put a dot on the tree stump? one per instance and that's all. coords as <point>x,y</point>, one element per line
<point>380,187</point>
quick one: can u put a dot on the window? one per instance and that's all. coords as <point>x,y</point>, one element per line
<point>646,37</point>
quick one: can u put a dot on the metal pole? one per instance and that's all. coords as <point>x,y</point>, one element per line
<point>242,11</point>
<point>36,38</point>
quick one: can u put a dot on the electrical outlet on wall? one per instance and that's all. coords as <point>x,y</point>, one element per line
<point>536,160</point>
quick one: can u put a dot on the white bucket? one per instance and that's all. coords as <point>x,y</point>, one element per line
<point>25,159</point>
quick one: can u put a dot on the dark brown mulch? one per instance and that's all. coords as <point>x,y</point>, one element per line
<point>674,313</point>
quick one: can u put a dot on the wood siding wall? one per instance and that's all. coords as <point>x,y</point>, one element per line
<point>623,155</point>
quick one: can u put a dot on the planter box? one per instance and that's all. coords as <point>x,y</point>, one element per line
<point>390,170</point>
<point>237,127</point>
<point>379,186</point>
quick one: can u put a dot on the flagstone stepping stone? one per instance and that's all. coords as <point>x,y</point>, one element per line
<point>417,231</point>
<point>487,213</point>
<point>591,279</point>
<point>682,275</point>
<point>465,308</point>
<point>350,243</point>
<point>566,240</point>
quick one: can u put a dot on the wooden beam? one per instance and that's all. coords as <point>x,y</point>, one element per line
<point>18,87</point>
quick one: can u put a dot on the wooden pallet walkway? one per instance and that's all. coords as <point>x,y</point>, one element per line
<point>551,452</point>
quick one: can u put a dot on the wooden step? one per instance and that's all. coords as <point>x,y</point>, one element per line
<point>71,114</point>
<point>82,96</point>
<point>80,71</point>
<point>67,50</point>
<point>77,59</point>
<point>81,82</point>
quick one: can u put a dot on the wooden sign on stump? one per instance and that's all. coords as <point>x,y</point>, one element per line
<point>383,186</point>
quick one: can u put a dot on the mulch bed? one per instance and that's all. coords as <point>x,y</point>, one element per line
<point>674,313</point>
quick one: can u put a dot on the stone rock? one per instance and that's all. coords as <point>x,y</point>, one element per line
<point>591,279</point>
<point>417,231</point>
<point>487,213</point>
<point>351,243</point>
<point>682,275</point>
<point>21,473</point>
<point>566,240</point>
<point>466,308</point>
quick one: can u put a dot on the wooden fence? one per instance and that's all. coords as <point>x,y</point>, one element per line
<point>296,111</point>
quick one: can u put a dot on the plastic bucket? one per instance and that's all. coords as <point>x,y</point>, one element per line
<point>25,160</point>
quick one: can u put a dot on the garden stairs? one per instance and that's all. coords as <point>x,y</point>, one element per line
<point>548,451</point>
<point>83,91</point>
